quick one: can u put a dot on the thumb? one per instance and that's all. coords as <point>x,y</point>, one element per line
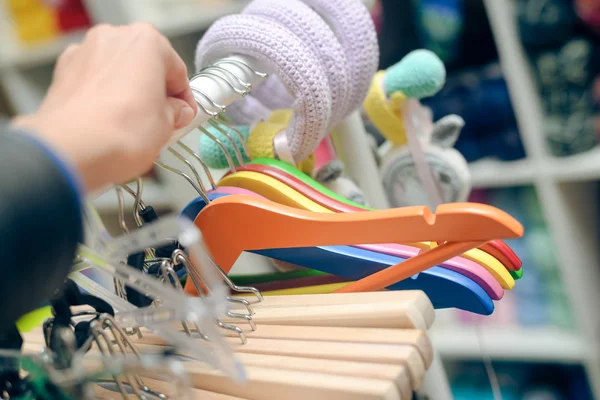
<point>179,113</point>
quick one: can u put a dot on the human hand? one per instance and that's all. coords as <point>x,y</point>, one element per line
<point>114,102</point>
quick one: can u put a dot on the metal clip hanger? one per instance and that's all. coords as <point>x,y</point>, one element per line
<point>110,252</point>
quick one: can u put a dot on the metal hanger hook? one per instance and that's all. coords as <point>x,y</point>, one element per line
<point>236,149</point>
<point>191,152</point>
<point>206,72</point>
<point>245,85</point>
<point>243,64</point>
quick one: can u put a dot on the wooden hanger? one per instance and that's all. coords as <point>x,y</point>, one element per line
<point>503,253</point>
<point>103,393</point>
<point>199,394</point>
<point>409,337</point>
<point>307,180</point>
<point>388,372</point>
<point>283,357</point>
<point>414,298</point>
<point>412,337</point>
<point>355,263</point>
<point>404,355</point>
<point>274,190</point>
<point>294,385</point>
<point>493,284</point>
<point>468,268</point>
<point>331,377</point>
<point>323,196</point>
<point>488,262</point>
<point>357,315</point>
<point>445,288</point>
<point>162,387</point>
<point>462,225</point>
<point>271,189</point>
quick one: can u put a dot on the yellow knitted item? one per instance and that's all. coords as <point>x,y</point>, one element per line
<point>384,114</point>
<point>23,6</point>
<point>281,116</point>
<point>38,25</point>
<point>260,140</point>
<point>307,165</point>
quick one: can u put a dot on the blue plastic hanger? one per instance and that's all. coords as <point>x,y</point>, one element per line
<point>195,206</point>
<point>445,288</point>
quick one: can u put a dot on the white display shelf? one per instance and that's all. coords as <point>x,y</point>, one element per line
<point>15,55</point>
<point>570,211</point>
<point>178,21</point>
<point>196,18</point>
<point>488,173</point>
<point>579,167</point>
<point>546,345</point>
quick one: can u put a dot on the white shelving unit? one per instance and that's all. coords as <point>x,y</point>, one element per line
<point>484,173</point>
<point>26,70</point>
<point>567,190</point>
<point>510,343</point>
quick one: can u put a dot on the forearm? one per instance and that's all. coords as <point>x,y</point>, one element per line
<point>40,224</point>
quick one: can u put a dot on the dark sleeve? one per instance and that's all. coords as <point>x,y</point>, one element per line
<point>40,224</point>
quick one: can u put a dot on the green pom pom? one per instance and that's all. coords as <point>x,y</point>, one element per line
<point>419,74</point>
<point>211,152</point>
<point>34,319</point>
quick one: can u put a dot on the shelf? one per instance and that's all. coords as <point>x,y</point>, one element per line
<point>13,54</point>
<point>178,21</point>
<point>510,344</point>
<point>195,18</point>
<point>578,167</point>
<point>488,173</point>
<point>154,194</point>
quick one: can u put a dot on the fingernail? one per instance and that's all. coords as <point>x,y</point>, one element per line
<point>186,115</point>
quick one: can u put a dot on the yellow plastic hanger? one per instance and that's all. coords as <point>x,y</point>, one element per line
<point>479,256</point>
<point>271,189</point>
<point>278,192</point>
<point>317,289</point>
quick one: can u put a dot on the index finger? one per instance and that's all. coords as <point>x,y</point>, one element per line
<point>176,78</point>
<point>178,84</point>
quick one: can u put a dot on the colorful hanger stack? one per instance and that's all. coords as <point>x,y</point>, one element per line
<point>456,268</point>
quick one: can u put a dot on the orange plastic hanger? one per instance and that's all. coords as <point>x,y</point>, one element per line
<point>229,227</point>
<point>315,192</point>
<point>278,192</point>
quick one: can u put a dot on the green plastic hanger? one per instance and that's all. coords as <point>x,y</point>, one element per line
<point>307,180</point>
<point>246,280</point>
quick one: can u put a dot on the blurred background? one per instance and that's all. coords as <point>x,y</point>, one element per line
<point>524,76</point>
